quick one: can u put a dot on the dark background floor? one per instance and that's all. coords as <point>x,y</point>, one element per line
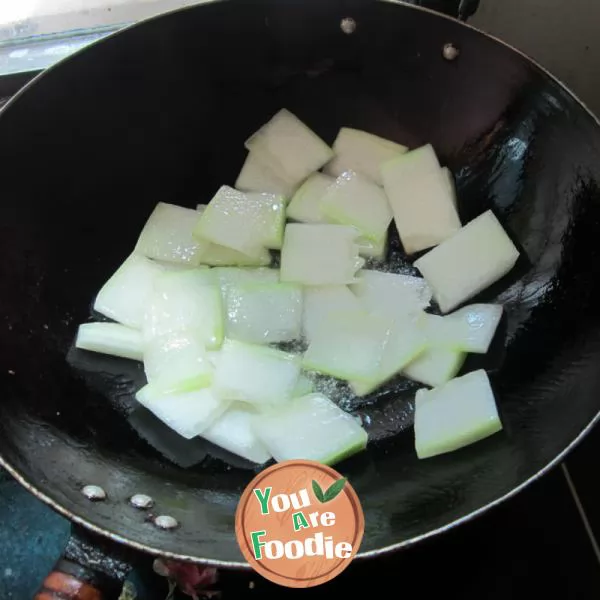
<point>540,542</point>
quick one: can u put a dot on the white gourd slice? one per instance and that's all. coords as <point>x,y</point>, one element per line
<point>450,183</point>
<point>186,413</point>
<point>177,362</point>
<point>167,235</point>
<point>470,261</point>
<point>375,250</point>
<point>320,254</point>
<point>355,200</point>
<point>110,338</point>
<point>454,415</point>
<point>424,211</point>
<point>124,297</point>
<point>348,346</point>
<point>293,149</point>
<point>246,222</point>
<point>304,386</point>
<point>469,329</point>
<point>257,175</point>
<point>229,276</point>
<point>234,432</point>
<point>406,341</point>
<point>310,427</point>
<point>435,366</point>
<point>322,302</point>
<point>255,374</point>
<point>305,205</point>
<point>390,294</point>
<point>362,152</point>
<point>264,313</point>
<point>189,301</point>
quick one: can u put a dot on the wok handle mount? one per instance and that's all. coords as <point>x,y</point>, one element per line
<point>89,569</point>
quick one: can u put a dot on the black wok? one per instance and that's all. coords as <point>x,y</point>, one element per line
<point>159,112</point>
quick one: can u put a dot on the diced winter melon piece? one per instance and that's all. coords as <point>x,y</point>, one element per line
<point>186,413</point>
<point>362,152</point>
<point>293,149</point>
<point>454,415</point>
<point>435,366</point>
<point>187,301</point>
<point>304,386</point>
<point>449,179</point>
<point>264,313</point>
<point>255,374</point>
<point>354,200</point>
<point>371,249</point>
<point>215,255</point>
<point>311,427</point>
<point>321,302</point>
<point>246,222</point>
<point>305,205</point>
<point>233,431</point>
<point>320,254</point>
<point>349,346</point>
<point>124,297</point>
<point>177,362</point>
<point>406,341</point>
<point>258,175</point>
<point>110,338</point>
<point>474,258</point>
<point>469,329</point>
<point>167,235</point>
<point>424,211</point>
<point>390,294</point>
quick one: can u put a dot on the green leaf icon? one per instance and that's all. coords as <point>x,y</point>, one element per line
<point>318,491</point>
<point>335,488</point>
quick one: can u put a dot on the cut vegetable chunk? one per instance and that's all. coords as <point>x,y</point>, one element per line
<point>186,301</point>
<point>177,362</point>
<point>469,262</point>
<point>451,185</point>
<point>255,374</point>
<point>390,294</point>
<point>469,329</point>
<point>215,255</point>
<point>406,341</point>
<point>454,415</point>
<point>323,302</point>
<point>264,313</point>
<point>305,205</point>
<point>304,386</point>
<point>246,222</point>
<point>354,200</point>
<point>110,338</point>
<point>186,413</point>
<point>435,366</point>
<point>285,141</point>
<point>375,250</point>
<point>167,235</point>
<point>126,294</point>
<point>317,254</point>
<point>259,176</point>
<point>233,431</point>
<point>363,152</point>
<point>424,210</point>
<point>348,346</point>
<point>311,427</point>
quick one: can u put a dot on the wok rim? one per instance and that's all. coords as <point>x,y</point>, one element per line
<point>360,556</point>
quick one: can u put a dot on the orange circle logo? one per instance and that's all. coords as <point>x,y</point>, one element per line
<point>299,523</point>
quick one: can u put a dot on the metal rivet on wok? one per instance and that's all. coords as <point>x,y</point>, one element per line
<point>348,25</point>
<point>94,492</point>
<point>450,51</point>
<point>166,522</point>
<point>141,501</point>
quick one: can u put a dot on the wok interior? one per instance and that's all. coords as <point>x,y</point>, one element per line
<point>160,113</point>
